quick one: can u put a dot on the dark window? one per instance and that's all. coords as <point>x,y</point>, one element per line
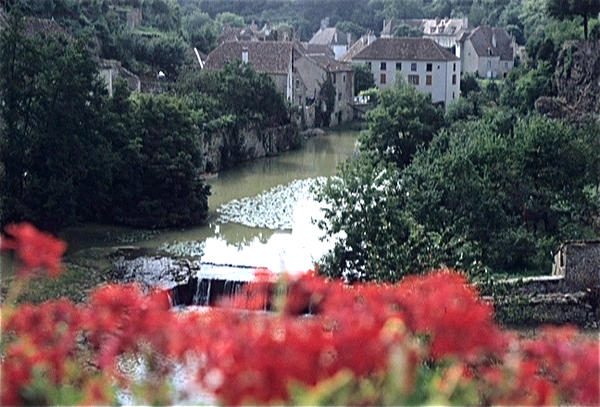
<point>383,66</point>
<point>334,78</point>
<point>413,79</point>
<point>454,79</point>
<point>369,65</point>
<point>413,66</point>
<point>429,67</point>
<point>428,80</point>
<point>383,79</point>
<point>454,67</point>
<point>398,66</point>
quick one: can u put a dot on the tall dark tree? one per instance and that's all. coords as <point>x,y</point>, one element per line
<point>56,160</point>
<point>562,9</point>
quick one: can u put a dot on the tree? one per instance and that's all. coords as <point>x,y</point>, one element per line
<point>57,163</point>
<point>562,9</point>
<point>363,212</point>
<point>403,120</point>
<point>405,30</point>
<point>363,78</point>
<point>157,184</point>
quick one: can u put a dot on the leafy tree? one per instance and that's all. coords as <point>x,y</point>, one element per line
<point>363,78</point>
<point>326,102</point>
<point>157,184</point>
<point>364,213</point>
<point>468,84</point>
<point>562,9</point>
<point>351,27</point>
<point>167,53</point>
<point>57,163</point>
<point>228,18</point>
<point>405,30</point>
<point>403,120</point>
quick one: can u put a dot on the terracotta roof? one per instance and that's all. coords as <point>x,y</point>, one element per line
<point>330,63</point>
<point>413,49</point>
<point>266,56</point>
<point>357,47</point>
<point>229,33</point>
<point>318,49</point>
<point>481,38</point>
<point>432,27</point>
<point>329,36</point>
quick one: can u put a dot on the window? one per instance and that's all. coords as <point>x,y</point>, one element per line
<point>489,63</point>
<point>453,95</point>
<point>334,75</point>
<point>383,79</point>
<point>454,67</point>
<point>398,66</point>
<point>383,66</point>
<point>413,66</point>
<point>369,65</point>
<point>340,96</point>
<point>429,67</point>
<point>428,80</point>
<point>413,79</point>
<point>454,79</point>
<point>297,83</point>
<point>344,78</point>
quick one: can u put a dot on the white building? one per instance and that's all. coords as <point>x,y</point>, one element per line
<point>419,61</point>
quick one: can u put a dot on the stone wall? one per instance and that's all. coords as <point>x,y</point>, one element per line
<point>579,263</point>
<point>228,146</point>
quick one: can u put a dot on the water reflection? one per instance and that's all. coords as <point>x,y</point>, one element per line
<point>235,243</point>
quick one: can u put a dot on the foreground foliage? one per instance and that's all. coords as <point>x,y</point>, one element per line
<point>429,339</point>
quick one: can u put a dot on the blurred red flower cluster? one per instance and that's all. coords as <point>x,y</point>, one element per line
<point>428,339</point>
<point>35,249</point>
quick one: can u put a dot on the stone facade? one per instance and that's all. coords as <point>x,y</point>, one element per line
<point>579,263</point>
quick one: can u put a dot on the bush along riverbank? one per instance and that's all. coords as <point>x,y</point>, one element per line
<point>427,340</point>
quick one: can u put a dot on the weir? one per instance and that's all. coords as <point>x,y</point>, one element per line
<point>204,291</point>
<point>191,282</point>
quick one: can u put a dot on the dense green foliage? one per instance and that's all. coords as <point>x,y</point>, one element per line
<point>492,186</point>
<point>71,153</point>
<point>403,120</point>
<point>564,9</point>
<point>363,78</point>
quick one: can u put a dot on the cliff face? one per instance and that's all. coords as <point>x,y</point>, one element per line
<point>577,78</point>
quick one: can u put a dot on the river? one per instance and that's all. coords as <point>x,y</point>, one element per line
<point>260,214</point>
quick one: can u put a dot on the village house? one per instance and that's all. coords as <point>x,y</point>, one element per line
<point>316,65</point>
<point>275,58</point>
<point>297,73</point>
<point>421,62</point>
<point>333,38</point>
<point>444,31</point>
<point>488,51</point>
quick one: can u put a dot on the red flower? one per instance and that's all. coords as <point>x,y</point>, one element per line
<point>35,249</point>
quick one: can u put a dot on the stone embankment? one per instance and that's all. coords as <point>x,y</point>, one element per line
<point>535,301</point>
<point>230,145</point>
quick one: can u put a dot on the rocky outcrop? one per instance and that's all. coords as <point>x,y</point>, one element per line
<point>577,78</point>
<point>230,145</point>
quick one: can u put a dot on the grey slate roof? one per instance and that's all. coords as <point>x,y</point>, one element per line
<point>329,36</point>
<point>266,56</point>
<point>414,49</point>
<point>481,38</point>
